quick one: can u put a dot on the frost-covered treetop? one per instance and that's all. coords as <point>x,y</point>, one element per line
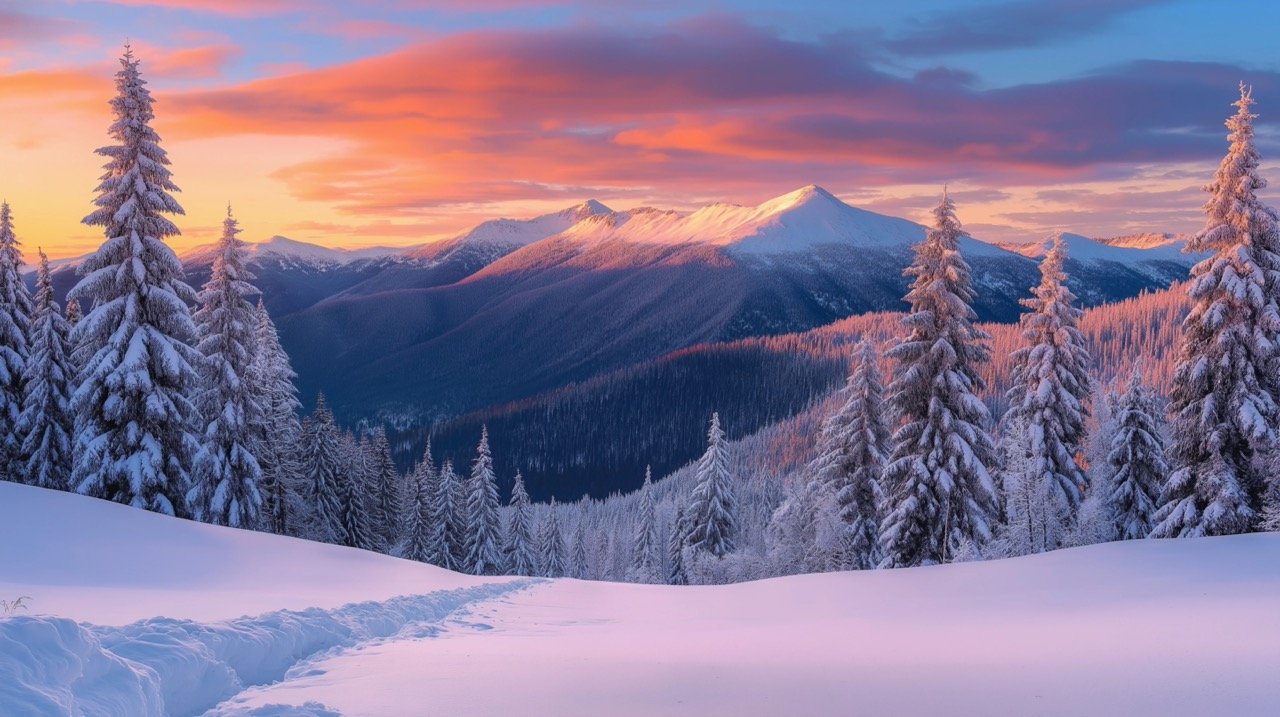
<point>133,197</point>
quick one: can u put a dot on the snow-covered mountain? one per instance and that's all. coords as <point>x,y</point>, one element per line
<point>298,253</point>
<point>515,307</point>
<point>1134,250</point>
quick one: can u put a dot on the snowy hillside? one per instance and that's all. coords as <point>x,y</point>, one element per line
<point>289,251</point>
<point>1151,628</point>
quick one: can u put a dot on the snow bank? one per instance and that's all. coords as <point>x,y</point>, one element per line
<point>91,560</point>
<point>166,666</point>
<point>1138,628</point>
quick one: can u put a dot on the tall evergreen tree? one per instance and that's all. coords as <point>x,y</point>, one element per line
<point>326,468</point>
<point>711,513</point>
<point>46,422</point>
<point>851,456</point>
<point>15,327</point>
<point>226,475</point>
<point>451,507</point>
<point>676,574</point>
<point>1136,461</point>
<point>578,553</point>
<point>423,540</point>
<point>522,558</point>
<point>1051,382</point>
<point>551,561</point>
<point>277,432</point>
<point>1224,401</point>
<point>482,538</point>
<point>941,495</point>
<point>1035,516</point>
<point>646,560</point>
<point>388,503</point>
<point>355,526</point>
<point>135,415</point>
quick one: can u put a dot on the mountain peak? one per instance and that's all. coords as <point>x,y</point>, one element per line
<point>589,208</point>
<point>808,195</point>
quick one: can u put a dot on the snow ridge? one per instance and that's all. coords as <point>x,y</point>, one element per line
<point>166,666</point>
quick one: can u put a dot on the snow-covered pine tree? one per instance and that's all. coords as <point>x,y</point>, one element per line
<point>676,574</point>
<point>939,490</point>
<point>851,455</point>
<point>1136,461</point>
<point>646,559</point>
<point>422,539</point>
<point>278,434</point>
<point>1224,400</point>
<point>225,475</point>
<point>388,504</point>
<point>578,553</point>
<point>356,529</point>
<point>46,423</point>
<point>711,513</point>
<point>1051,382</point>
<point>136,421</point>
<point>73,313</point>
<point>522,558</point>
<point>15,327</point>
<point>1035,517</point>
<point>325,469</point>
<point>551,563</point>
<point>451,509</point>
<point>482,539</point>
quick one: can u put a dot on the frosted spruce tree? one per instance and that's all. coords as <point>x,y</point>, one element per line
<point>451,506</point>
<point>439,513</point>
<point>1035,516</point>
<point>710,514</point>
<point>578,553</point>
<point>46,423</point>
<point>388,503</point>
<point>420,535</point>
<point>355,527</point>
<point>1224,403</point>
<point>326,468</point>
<point>1136,462</point>
<point>276,430</point>
<point>73,313</point>
<point>646,560</point>
<point>1051,383</point>
<point>226,475</point>
<point>521,555</point>
<point>676,574</point>
<point>851,454</point>
<point>940,493</point>
<point>482,538</point>
<point>15,327</point>
<point>136,420</point>
<point>551,562</point>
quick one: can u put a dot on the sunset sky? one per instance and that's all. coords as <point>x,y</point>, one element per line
<point>402,121</point>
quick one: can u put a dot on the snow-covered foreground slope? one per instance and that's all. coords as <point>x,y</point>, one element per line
<point>1171,627</point>
<point>97,561</point>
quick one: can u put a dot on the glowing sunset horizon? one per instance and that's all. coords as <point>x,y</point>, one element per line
<point>403,122</point>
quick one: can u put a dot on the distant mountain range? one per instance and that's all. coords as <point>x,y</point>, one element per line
<point>516,308</point>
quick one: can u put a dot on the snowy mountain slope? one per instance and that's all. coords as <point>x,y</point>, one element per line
<point>288,252</point>
<point>797,222</point>
<point>1150,627</point>
<point>1132,251</point>
<point>513,308</point>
